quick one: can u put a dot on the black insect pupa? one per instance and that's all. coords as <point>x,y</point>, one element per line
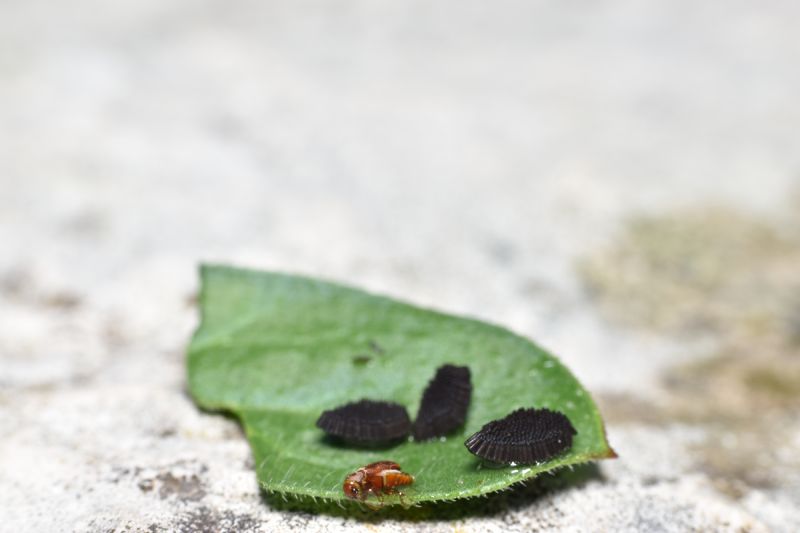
<point>525,436</point>
<point>444,403</point>
<point>366,422</point>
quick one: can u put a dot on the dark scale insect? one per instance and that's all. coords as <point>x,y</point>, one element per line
<point>366,422</point>
<point>525,436</point>
<point>444,403</point>
<point>378,479</point>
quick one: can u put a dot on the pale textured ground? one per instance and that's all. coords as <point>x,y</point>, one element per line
<point>456,155</point>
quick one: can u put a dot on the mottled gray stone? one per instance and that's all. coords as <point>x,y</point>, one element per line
<point>458,155</point>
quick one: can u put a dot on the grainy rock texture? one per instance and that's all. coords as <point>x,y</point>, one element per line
<point>613,179</point>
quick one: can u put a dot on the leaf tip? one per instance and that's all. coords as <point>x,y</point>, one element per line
<point>610,454</point>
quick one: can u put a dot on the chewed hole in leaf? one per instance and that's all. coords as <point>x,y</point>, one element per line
<point>277,350</point>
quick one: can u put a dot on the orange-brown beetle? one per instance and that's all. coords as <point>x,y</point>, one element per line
<point>376,478</point>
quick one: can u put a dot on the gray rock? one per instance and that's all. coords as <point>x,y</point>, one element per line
<point>459,156</point>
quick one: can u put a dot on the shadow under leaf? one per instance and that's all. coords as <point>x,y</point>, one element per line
<point>516,497</point>
<point>339,443</point>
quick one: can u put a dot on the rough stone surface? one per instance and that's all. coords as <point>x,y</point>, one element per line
<point>571,170</point>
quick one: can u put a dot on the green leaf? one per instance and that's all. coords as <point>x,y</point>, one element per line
<point>276,350</point>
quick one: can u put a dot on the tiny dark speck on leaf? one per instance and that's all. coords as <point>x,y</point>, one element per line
<point>361,359</point>
<point>375,347</point>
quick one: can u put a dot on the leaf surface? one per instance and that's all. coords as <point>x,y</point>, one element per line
<point>276,350</point>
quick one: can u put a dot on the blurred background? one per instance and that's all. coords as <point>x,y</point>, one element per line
<point>617,180</point>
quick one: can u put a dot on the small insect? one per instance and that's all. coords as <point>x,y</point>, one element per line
<point>444,403</point>
<point>524,436</point>
<point>366,422</point>
<point>378,479</point>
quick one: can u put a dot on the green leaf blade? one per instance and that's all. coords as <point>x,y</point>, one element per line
<point>276,350</point>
